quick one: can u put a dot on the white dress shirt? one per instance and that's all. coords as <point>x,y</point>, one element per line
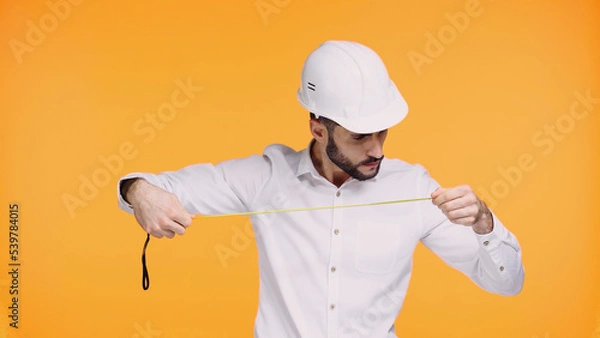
<point>338,273</point>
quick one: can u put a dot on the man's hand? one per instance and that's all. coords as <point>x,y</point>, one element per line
<point>462,206</point>
<point>158,211</point>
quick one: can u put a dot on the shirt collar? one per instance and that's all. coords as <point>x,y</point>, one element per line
<point>305,165</point>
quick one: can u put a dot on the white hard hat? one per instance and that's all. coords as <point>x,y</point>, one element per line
<point>348,83</point>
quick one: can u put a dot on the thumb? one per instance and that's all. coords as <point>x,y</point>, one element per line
<point>437,192</point>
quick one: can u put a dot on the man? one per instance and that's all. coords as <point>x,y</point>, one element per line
<point>336,272</point>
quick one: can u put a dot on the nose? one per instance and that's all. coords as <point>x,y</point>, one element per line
<point>375,147</point>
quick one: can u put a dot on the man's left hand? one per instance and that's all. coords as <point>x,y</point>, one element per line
<point>462,206</point>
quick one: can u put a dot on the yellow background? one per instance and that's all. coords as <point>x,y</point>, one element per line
<point>474,109</point>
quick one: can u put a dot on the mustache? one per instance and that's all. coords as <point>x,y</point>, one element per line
<point>371,160</point>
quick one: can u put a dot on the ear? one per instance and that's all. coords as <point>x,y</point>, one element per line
<point>318,131</point>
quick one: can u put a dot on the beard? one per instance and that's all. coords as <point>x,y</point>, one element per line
<point>336,156</point>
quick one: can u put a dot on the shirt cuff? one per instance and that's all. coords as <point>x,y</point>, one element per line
<point>494,238</point>
<point>491,243</point>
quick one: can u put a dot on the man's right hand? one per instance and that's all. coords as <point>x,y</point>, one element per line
<point>158,211</point>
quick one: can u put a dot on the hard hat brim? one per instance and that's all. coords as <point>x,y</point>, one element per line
<point>392,114</point>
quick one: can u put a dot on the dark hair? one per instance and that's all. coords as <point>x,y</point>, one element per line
<point>329,124</point>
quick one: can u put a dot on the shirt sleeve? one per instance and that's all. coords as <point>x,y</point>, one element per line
<point>227,187</point>
<point>492,261</point>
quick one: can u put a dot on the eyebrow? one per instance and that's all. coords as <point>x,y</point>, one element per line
<point>365,135</point>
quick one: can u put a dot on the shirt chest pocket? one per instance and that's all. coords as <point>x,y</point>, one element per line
<point>378,246</point>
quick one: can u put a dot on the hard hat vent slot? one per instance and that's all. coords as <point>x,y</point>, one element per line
<point>311,86</point>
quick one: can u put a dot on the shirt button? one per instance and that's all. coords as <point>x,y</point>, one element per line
<point>332,306</point>
<point>501,268</point>
<point>336,231</point>
<point>338,194</point>
<point>333,269</point>
<point>486,243</point>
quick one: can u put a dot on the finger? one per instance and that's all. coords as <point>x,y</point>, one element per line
<point>451,194</point>
<point>437,192</point>
<point>160,232</point>
<point>436,198</point>
<point>469,211</point>
<point>168,233</point>
<point>460,190</point>
<point>174,227</point>
<point>445,196</point>
<point>468,221</point>
<point>183,218</point>
<point>458,203</point>
<point>156,234</point>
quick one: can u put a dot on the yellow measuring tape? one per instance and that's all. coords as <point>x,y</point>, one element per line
<point>146,277</point>
<point>249,213</point>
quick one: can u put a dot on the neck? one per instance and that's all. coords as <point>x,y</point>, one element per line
<point>325,167</point>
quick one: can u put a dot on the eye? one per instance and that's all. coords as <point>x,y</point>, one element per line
<point>359,136</point>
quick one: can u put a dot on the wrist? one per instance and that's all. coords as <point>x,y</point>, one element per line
<point>485,224</point>
<point>129,188</point>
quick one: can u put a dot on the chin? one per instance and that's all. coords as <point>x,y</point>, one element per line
<point>368,175</point>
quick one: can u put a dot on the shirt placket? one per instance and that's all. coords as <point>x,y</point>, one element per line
<point>333,268</point>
